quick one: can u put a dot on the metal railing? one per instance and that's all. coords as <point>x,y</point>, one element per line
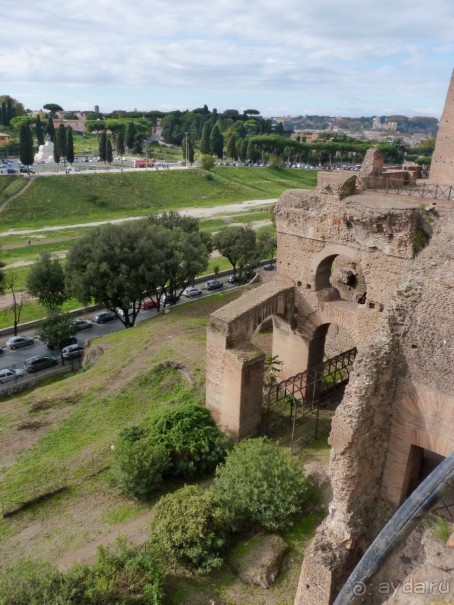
<point>423,190</point>
<point>288,403</point>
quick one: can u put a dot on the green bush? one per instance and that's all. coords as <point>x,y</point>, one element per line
<point>31,583</point>
<point>137,464</point>
<point>191,438</point>
<point>125,575</point>
<point>189,530</point>
<point>262,484</point>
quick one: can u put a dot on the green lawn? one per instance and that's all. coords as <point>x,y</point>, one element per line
<point>83,198</point>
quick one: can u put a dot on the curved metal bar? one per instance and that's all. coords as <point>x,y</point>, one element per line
<point>396,530</point>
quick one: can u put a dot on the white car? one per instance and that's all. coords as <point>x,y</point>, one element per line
<point>82,324</point>
<point>190,292</point>
<point>7,375</point>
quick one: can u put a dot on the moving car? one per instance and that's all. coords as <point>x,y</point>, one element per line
<point>103,316</point>
<point>73,351</point>
<point>213,284</point>
<point>14,342</point>
<point>82,324</point>
<point>148,303</point>
<point>190,292</point>
<point>39,362</point>
<point>8,374</point>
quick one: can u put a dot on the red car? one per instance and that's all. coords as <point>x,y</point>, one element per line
<point>148,303</point>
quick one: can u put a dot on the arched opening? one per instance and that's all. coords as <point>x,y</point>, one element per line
<point>342,278</point>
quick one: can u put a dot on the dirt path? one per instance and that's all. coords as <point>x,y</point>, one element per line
<point>137,531</point>
<point>20,192</point>
<point>195,212</point>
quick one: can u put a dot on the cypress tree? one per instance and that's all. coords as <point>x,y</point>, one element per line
<point>205,139</point>
<point>102,147</point>
<point>121,142</point>
<point>61,141</point>
<point>3,117</point>
<point>109,154</point>
<point>39,131</point>
<point>69,145</point>
<point>130,135</point>
<point>217,142</point>
<point>26,145</point>
<point>50,129</point>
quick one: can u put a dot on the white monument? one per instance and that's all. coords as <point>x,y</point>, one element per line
<point>45,152</point>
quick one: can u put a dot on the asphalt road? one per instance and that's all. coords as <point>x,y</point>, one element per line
<point>15,359</point>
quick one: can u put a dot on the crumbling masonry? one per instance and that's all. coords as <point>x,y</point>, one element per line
<point>347,275</point>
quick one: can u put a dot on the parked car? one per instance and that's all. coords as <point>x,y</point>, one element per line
<point>82,324</point>
<point>26,170</point>
<point>68,341</point>
<point>73,351</point>
<point>148,303</point>
<point>213,284</point>
<point>39,362</point>
<point>14,342</point>
<point>7,375</point>
<point>11,170</point>
<point>191,292</point>
<point>130,311</point>
<point>169,299</point>
<point>103,316</point>
<point>269,267</point>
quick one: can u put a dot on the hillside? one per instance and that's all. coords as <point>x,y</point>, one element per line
<point>62,200</point>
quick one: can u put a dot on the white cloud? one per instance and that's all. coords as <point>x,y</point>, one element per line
<point>348,53</point>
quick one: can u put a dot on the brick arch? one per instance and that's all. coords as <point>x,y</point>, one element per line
<point>322,261</point>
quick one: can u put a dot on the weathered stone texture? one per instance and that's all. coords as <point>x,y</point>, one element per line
<point>372,164</point>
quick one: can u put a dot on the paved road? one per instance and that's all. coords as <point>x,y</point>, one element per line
<point>15,359</point>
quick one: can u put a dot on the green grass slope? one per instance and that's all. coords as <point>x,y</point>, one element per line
<point>54,200</point>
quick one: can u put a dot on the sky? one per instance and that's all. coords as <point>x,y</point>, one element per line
<point>281,57</point>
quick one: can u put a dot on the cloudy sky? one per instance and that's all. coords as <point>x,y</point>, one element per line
<point>334,57</point>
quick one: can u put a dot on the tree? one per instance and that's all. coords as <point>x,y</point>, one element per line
<point>69,145</point>
<point>217,142</point>
<point>102,146</point>
<point>121,143</point>
<point>231,149</point>
<point>130,135</point>
<point>238,245</point>
<point>46,281</point>
<point>266,244</point>
<point>109,154</point>
<point>189,530</point>
<point>52,108</point>
<point>26,145</point>
<point>205,147</point>
<point>61,141</point>
<point>260,483</point>
<point>207,162</point>
<point>18,297</point>
<point>50,129</point>
<point>57,328</point>
<point>39,131</point>
<point>107,266</point>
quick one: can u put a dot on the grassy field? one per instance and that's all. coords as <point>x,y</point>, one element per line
<point>63,431</point>
<point>84,198</point>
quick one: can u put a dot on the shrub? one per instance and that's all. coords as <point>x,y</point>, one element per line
<point>31,583</point>
<point>123,575</point>
<point>262,484</point>
<point>191,438</point>
<point>137,463</point>
<point>189,530</point>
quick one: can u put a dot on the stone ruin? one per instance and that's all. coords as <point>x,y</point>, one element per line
<point>348,274</point>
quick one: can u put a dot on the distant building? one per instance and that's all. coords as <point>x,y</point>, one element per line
<point>4,139</point>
